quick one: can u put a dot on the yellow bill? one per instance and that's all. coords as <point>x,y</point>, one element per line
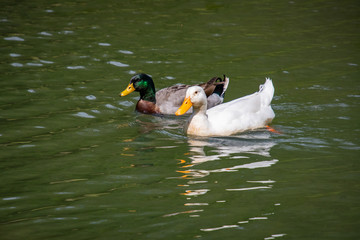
<point>129,89</point>
<point>185,106</point>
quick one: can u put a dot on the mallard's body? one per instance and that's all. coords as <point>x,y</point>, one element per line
<point>168,100</point>
<point>246,113</point>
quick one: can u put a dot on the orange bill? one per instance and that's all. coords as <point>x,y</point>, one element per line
<point>186,105</point>
<point>129,89</point>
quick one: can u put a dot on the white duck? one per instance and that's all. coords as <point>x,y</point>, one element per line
<point>246,113</point>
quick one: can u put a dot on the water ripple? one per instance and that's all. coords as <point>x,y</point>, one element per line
<point>83,115</point>
<point>11,198</point>
<point>249,188</point>
<point>125,52</point>
<point>45,34</point>
<point>273,236</point>
<point>19,39</point>
<point>46,62</point>
<point>220,228</point>
<point>17,64</point>
<point>253,165</point>
<point>104,44</point>
<point>15,55</point>
<point>35,64</point>
<point>90,97</point>
<point>118,64</point>
<point>75,67</point>
<point>108,105</point>
<point>184,212</point>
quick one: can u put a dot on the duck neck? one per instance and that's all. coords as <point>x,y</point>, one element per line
<point>148,94</point>
<point>198,123</point>
<point>200,109</point>
<point>199,113</point>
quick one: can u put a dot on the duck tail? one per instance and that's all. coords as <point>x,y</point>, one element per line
<point>222,86</point>
<point>267,92</point>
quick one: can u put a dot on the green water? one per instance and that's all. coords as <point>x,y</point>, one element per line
<point>78,163</point>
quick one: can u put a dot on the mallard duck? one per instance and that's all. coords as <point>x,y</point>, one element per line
<point>168,100</point>
<point>245,113</point>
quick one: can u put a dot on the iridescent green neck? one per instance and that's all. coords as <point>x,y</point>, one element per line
<point>147,90</point>
<point>148,95</point>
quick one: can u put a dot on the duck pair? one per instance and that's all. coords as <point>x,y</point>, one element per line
<point>209,116</point>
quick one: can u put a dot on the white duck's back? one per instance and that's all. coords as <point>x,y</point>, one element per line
<point>249,112</point>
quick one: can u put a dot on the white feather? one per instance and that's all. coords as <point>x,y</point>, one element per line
<point>249,112</point>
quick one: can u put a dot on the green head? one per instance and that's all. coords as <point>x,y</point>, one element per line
<point>144,84</point>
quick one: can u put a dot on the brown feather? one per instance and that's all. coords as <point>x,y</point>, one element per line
<point>147,107</point>
<point>210,86</point>
<point>171,98</point>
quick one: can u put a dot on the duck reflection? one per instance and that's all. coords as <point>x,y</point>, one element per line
<point>163,124</point>
<point>246,151</point>
<point>224,147</point>
<point>203,150</point>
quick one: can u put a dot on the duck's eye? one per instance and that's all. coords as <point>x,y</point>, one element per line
<point>196,92</point>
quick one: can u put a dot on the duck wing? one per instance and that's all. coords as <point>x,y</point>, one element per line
<point>250,103</point>
<point>216,85</point>
<point>249,112</point>
<point>215,90</point>
<point>170,99</point>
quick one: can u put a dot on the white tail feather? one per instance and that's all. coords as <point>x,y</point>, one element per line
<point>267,92</point>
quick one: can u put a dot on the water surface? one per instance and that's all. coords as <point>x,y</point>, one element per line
<point>78,163</point>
